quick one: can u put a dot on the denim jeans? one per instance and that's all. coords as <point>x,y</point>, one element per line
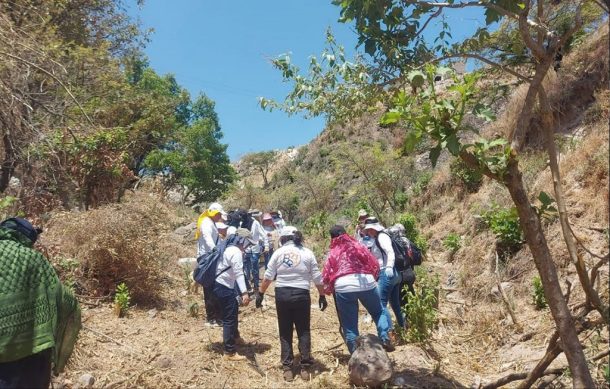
<point>268,255</point>
<point>251,267</point>
<point>389,292</point>
<point>33,371</point>
<point>293,307</point>
<point>347,308</point>
<point>228,303</point>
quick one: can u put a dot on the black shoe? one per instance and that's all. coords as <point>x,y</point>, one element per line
<point>388,346</point>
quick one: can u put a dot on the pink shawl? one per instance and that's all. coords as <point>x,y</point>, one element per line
<point>347,256</point>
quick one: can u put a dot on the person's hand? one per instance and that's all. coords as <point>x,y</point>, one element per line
<point>259,300</point>
<point>246,299</point>
<point>389,272</point>
<point>322,303</point>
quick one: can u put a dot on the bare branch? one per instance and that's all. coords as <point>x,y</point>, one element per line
<point>485,60</point>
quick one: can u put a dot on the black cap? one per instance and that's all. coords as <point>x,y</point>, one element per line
<point>22,226</point>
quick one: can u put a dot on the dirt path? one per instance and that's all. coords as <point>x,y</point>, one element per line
<point>167,348</point>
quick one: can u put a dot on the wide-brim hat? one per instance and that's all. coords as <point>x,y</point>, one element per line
<point>246,235</point>
<point>255,212</point>
<point>362,213</point>
<point>267,216</point>
<point>372,224</point>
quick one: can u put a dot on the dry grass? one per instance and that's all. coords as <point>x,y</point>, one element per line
<point>125,242</point>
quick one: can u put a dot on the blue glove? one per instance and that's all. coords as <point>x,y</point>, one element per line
<point>389,272</point>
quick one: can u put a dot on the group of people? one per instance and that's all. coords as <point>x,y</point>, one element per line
<point>358,269</point>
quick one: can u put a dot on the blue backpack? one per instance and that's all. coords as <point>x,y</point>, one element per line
<point>205,272</point>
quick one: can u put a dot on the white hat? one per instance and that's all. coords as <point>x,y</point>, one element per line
<point>215,207</point>
<point>288,231</point>
<point>231,230</point>
<point>221,226</point>
<point>362,213</point>
<point>372,223</point>
<point>224,216</point>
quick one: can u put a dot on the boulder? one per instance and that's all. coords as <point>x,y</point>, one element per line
<point>369,364</point>
<point>186,232</point>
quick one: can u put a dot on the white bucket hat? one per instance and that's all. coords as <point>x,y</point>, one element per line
<point>372,223</point>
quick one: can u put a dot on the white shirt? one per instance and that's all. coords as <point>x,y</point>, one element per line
<point>294,267</point>
<point>258,235</point>
<point>208,238</point>
<point>387,257</point>
<point>357,282</point>
<point>232,257</point>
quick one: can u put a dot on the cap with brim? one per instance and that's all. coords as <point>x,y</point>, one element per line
<point>22,226</point>
<point>221,226</point>
<point>215,207</point>
<point>255,213</point>
<point>288,231</point>
<point>372,224</point>
<point>245,234</point>
<point>362,213</point>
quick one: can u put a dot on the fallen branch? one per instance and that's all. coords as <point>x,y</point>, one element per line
<point>129,348</point>
<point>520,376</point>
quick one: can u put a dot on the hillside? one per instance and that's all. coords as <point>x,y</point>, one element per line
<point>487,319</point>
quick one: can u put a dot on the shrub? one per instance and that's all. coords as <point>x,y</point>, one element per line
<point>504,223</point>
<point>122,299</point>
<point>421,310</point>
<point>421,183</point>
<point>470,178</point>
<point>538,293</point>
<point>452,242</point>
<point>409,222</point>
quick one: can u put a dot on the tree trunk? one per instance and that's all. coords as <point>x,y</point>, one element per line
<point>546,268</point>
<point>581,268</point>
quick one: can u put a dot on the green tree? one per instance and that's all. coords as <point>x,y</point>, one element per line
<point>402,71</point>
<point>260,162</point>
<point>194,158</point>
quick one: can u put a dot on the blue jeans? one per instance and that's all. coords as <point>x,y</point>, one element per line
<point>228,303</point>
<point>251,267</point>
<point>268,255</point>
<point>347,309</point>
<point>389,292</point>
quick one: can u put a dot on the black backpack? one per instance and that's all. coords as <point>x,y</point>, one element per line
<point>406,253</point>
<point>205,272</point>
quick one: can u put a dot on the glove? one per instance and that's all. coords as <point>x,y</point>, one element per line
<point>322,303</point>
<point>389,272</point>
<point>259,300</point>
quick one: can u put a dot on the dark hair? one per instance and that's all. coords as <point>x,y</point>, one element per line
<point>337,230</point>
<point>297,238</point>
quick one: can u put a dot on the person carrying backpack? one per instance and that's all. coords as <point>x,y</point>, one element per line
<point>293,267</point>
<point>389,282</point>
<point>229,275</point>
<point>39,317</point>
<point>207,239</point>
<point>350,274</point>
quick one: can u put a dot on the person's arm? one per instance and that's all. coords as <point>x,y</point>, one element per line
<point>206,233</point>
<point>237,263</point>
<point>385,244</point>
<point>264,286</point>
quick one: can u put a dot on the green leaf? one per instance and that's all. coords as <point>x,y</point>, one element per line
<point>391,117</point>
<point>453,144</point>
<point>416,78</point>
<point>545,199</point>
<point>435,152</point>
<point>369,47</point>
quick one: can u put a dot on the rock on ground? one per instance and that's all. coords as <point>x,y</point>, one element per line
<point>369,365</point>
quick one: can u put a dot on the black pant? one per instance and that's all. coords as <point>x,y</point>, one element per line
<point>228,303</point>
<point>213,311</point>
<point>294,310</point>
<point>33,371</point>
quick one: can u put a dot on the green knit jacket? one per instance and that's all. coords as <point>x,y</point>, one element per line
<point>36,311</point>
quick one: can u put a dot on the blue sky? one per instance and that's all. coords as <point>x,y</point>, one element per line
<point>222,48</point>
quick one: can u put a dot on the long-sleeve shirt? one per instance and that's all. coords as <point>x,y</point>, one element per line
<point>232,257</point>
<point>294,266</point>
<point>258,235</point>
<point>383,251</point>
<point>208,238</point>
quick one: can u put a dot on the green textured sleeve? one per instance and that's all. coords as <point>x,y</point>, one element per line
<point>68,327</point>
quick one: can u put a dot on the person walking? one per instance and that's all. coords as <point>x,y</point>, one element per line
<point>253,253</point>
<point>273,237</point>
<point>207,239</point>
<point>39,317</point>
<point>229,276</point>
<point>294,268</point>
<point>389,283</point>
<point>349,274</point>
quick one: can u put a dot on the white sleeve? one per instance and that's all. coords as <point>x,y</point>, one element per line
<point>386,246</point>
<point>316,276</point>
<point>206,233</point>
<point>237,262</point>
<point>271,271</point>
